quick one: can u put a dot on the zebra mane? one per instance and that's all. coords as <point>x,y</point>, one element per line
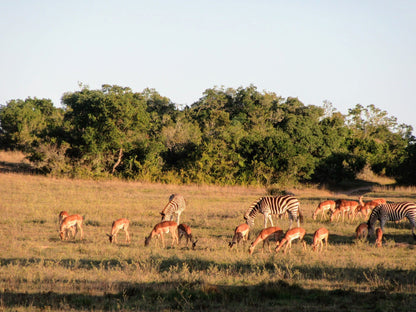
<point>168,206</point>
<point>164,211</point>
<point>252,212</point>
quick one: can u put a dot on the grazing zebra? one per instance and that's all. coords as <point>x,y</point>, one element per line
<point>393,212</point>
<point>175,205</point>
<point>269,205</point>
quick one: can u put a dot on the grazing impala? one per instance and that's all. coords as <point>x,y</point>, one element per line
<point>365,208</point>
<point>62,216</point>
<point>185,230</point>
<point>319,237</point>
<point>68,223</point>
<point>290,236</point>
<point>379,237</point>
<point>361,231</point>
<point>323,207</point>
<point>265,236</point>
<point>117,226</point>
<point>344,207</point>
<point>241,232</point>
<point>161,228</point>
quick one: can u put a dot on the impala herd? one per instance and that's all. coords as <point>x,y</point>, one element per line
<point>69,225</point>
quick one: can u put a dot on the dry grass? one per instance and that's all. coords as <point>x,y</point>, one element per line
<point>369,176</point>
<point>39,272</point>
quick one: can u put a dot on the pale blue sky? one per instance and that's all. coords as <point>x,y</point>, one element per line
<point>346,52</point>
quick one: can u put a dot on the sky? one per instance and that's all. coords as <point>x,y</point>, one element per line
<point>345,52</point>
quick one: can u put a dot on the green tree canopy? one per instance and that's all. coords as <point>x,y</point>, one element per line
<point>25,123</point>
<point>228,136</point>
<point>105,124</point>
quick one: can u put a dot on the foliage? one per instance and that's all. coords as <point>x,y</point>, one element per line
<point>406,170</point>
<point>229,136</point>
<point>24,124</point>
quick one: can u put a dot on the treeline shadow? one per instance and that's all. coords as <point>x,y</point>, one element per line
<point>12,167</point>
<point>355,187</point>
<point>198,295</point>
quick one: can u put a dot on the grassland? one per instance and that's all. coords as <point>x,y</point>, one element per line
<point>38,272</point>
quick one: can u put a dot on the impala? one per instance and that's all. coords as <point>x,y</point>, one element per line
<point>361,231</point>
<point>161,228</point>
<point>344,207</point>
<point>68,223</point>
<point>319,237</point>
<point>290,236</point>
<point>327,205</point>
<point>366,208</point>
<point>241,232</point>
<point>185,230</point>
<point>62,216</point>
<point>116,227</point>
<point>265,236</point>
<point>379,239</point>
<point>380,201</point>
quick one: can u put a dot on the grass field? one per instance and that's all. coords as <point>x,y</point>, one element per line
<point>38,272</point>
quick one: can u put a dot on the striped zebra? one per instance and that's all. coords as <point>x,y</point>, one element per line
<point>270,205</point>
<point>176,205</point>
<point>393,212</point>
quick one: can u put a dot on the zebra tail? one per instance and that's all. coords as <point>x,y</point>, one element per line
<point>300,216</point>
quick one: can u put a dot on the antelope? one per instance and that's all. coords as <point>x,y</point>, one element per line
<point>324,207</point>
<point>161,228</point>
<point>265,235</point>
<point>241,232</point>
<point>342,207</point>
<point>185,230</point>
<point>379,239</point>
<point>69,222</point>
<point>319,237</point>
<point>117,226</point>
<point>290,236</point>
<point>62,216</point>
<point>361,231</point>
<point>367,207</point>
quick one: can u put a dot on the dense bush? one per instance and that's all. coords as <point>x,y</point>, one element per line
<point>228,136</point>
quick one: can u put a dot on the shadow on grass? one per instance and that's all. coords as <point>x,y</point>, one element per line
<point>186,296</point>
<point>11,167</point>
<point>273,266</point>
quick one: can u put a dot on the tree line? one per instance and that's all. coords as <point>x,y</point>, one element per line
<point>229,136</point>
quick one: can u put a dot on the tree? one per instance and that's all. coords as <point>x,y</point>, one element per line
<point>377,138</point>
<point>405,171</point>
<point>106,124</point>
<point>26,123</point>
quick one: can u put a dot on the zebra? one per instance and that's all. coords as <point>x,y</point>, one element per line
<point>270,205</point>
<point>393,212</point>
<point>175,205</point>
